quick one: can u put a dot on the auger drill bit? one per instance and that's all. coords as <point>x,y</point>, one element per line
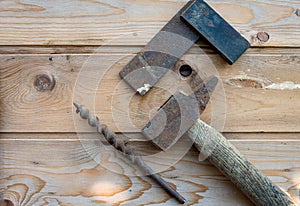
<point>120,144</point>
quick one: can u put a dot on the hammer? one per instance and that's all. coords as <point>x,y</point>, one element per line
<point>180,114</point>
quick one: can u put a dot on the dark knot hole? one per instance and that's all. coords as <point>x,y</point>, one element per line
<point>6,203</point>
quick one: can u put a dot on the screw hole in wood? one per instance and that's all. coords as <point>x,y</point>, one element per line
<point>263,36</point>
<point>185,70</point>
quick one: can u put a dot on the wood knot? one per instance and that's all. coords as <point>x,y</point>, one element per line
<point>263,36</point>
<point>44,82</point>
<point>246,82</point>
<point>298,12</point>
<point>6,203</point>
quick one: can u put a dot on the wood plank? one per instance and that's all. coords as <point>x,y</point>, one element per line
<point>62,172</point>
<point>99,22</point>
<point>235,136</point>
<point>76,77</point>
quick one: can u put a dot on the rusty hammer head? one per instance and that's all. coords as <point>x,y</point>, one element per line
<point>179,113</point>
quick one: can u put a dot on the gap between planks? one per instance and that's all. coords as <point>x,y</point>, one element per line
<point>125,49</point>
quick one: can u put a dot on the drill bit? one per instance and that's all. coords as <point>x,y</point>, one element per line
<point>120,144</point>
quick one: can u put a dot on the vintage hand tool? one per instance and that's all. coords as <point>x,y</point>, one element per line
<point>180,112</point>
<point>194,21</point>
<point>180,115</point>
<point>121,145</point>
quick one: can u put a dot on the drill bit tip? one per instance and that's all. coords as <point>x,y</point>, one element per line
<point>121,145</point>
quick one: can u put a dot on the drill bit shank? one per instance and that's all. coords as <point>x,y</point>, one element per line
<point>121,145</point>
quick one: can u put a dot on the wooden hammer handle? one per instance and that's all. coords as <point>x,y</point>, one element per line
<point>232,164</point>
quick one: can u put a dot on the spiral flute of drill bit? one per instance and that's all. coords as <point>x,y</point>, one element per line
<point>120,145</point>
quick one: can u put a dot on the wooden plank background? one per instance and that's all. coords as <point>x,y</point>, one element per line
<point>44,160</point>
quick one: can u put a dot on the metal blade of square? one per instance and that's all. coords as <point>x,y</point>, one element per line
<point>194,21</point>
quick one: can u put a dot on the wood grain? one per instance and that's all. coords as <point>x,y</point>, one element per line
<point>132,49</point>
<point>64,174</point>
<point>234,136</point>
<point>250,106</point>
<point>45,46</point>
<point>222,154</point>
<point>84,22</point>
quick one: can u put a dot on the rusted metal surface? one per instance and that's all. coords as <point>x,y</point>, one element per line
<point>160,54</point>
<point>178,114</point>
<point>194,21</point>
<point>120,144</point>
<point>222,36</point>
